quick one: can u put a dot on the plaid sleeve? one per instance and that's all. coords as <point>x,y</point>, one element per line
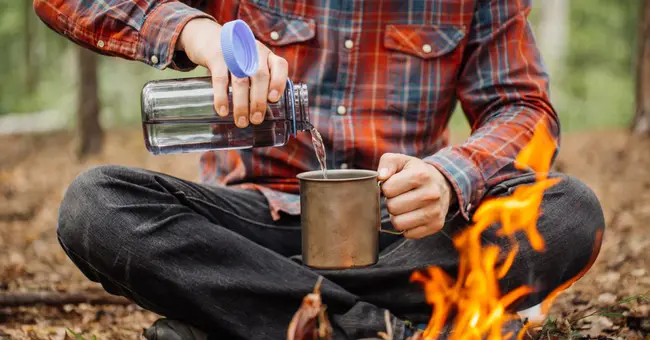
<point>142,30</point>
<point>503,90</point>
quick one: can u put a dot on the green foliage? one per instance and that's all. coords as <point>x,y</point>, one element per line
<point>597,89</point>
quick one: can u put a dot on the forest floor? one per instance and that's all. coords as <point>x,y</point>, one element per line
<point>36,169</point>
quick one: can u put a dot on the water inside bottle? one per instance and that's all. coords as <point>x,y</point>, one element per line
<point>319,148</point>
<point>178,136</point>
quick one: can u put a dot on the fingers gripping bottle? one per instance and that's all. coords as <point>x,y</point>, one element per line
<point>178,115</point>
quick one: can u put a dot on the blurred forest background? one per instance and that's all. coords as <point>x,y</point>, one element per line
<point>49,87</point>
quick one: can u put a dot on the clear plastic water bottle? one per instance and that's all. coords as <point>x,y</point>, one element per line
<point>178,115</point>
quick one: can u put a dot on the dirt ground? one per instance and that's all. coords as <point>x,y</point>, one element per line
<point>36,169</point>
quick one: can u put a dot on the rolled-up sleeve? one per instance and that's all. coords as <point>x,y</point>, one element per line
<point>504,92</point>
<point>142,30</point>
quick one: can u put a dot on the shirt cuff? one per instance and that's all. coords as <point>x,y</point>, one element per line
<point>464,176</point>
<point>159,33</point>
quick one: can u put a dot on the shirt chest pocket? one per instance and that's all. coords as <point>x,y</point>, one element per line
<point>423,63</point>
<point>289,36</point>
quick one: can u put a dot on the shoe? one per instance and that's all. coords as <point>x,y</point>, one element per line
<point>167,329</point>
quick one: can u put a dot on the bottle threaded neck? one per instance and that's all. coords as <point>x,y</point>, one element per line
<point>301,97</point>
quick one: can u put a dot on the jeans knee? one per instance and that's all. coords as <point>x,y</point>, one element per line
<point>579,213</point>
<point>582,206</point>
<point>571,223</point>
<point>82,206</point>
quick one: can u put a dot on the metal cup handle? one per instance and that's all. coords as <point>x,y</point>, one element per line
<point>381,194</point>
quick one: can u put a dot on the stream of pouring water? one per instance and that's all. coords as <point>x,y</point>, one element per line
<point>319,148</point>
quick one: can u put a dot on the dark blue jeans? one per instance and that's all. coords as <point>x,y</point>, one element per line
<point>213,257</point>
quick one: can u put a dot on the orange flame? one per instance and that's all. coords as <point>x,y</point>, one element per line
<point>479,309</point>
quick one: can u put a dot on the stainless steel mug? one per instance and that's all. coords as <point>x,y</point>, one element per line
<point>340,218</point>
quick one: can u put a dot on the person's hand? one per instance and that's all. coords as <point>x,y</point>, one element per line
<point>417,194</point>
<point>200,39</point>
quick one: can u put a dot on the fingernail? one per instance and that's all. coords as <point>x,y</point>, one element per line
<point>383,172</point>
<point>257,117</point>
<point>274,95</point>
<point>223,111</point>
<point>242,122</point>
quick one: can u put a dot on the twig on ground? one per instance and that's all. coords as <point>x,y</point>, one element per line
<point>17,299</point>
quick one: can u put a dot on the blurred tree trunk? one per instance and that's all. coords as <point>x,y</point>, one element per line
<point>89,131</point>
<point>554,33</point>
<point>31,70</point>
<point>641,123</point>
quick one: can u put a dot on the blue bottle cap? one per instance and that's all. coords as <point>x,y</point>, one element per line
<point>239,49</point>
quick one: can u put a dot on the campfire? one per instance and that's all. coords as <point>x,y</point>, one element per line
<point>473,298</point>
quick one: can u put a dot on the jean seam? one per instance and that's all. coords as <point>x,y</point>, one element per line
<point>509,185</point>
<point>234,214</point>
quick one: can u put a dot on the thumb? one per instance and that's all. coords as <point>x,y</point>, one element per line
<point>390,164</point>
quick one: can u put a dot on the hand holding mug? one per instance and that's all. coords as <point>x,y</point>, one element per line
<point>417,195</point>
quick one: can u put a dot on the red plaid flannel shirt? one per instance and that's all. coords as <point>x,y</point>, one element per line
<point>383,76</point>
